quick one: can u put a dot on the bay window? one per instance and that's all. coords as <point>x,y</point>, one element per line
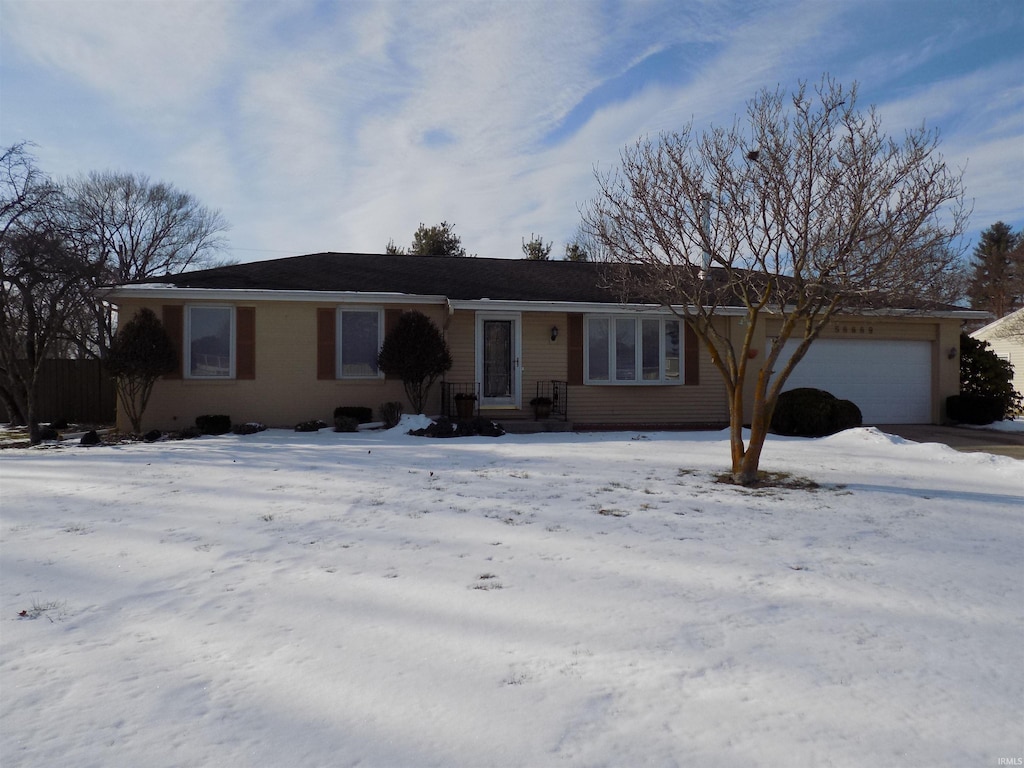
<point>632,350</point>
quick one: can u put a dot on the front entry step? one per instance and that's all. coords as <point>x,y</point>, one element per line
<point>529,426</point>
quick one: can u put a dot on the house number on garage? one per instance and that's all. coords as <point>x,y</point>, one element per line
<point>843,328</point>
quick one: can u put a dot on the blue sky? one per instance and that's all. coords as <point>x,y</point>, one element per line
<point>319,126</point>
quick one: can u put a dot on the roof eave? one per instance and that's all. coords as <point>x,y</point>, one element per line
<point>166,291</point>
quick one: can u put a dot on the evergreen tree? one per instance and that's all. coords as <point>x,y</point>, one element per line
<point>997,284</point>
<point>535,249</point>
<point>416,352</point>
<point>140,353</point>
<point>984,374</point>
<point>439,240</point>
<point>575,252</point>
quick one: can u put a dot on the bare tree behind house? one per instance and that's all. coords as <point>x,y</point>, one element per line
<point>145,229</point>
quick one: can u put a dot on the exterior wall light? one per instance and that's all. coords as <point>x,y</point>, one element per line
<point>554,332</point>
<point>952,353</point>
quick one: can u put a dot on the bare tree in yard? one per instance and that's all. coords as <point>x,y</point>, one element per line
<point>146,229</point>
<point>40,279</point>
<point>140,354</point>
<point>804,210</point>
<point>24,189</point>
<point>42,275</point>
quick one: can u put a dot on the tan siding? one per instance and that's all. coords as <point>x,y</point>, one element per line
<point>460,335</point>
<point>286,390</point>
<point>911,328</point>
<point>666,405</point>
<point>543,359</point>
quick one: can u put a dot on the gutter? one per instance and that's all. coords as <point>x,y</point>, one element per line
<point>169,291</point>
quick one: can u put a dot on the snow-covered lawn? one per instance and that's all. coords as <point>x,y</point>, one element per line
<point>376,599</point>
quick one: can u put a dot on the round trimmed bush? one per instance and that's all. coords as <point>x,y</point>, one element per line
<point>975,409</point>
<point>809,412</point>
<point>214,424</point>
<point>345,424</point>
<point>360,413</point>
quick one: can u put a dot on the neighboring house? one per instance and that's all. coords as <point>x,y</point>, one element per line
<point>1006,337</point>
<point>288,340</point>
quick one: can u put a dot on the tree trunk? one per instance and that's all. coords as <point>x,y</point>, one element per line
<point>15,415</point>
<point>34,436</point>
<point>747,471</point>
<point>737,449</point>
<point>745,467</point>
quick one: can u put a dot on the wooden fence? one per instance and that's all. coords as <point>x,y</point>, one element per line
<point>77,391</point>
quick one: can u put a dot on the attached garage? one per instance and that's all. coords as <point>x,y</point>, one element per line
<point>889,380</point>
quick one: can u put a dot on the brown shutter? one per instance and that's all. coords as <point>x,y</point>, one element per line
<point>390,321</point>
<point>245,343</point>
<point>574,345</point>
<point>326,351</point>
<point>691,356</point>
<point>174,324</point>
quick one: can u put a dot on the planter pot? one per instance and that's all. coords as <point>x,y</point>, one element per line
<point>541,412</point>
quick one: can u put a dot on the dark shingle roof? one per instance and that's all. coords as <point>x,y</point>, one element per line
<point>454,277</point>
<point>457,278</point>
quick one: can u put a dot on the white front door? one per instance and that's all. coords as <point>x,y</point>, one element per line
<point>498,350</point>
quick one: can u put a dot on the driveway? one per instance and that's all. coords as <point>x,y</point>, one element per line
<point>962,439</point>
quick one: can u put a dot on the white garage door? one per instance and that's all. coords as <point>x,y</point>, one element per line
<point>890,381</point>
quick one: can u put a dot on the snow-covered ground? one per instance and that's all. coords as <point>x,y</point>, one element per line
<point>376,599</point>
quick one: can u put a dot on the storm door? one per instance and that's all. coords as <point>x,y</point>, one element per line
<point>498,366</point>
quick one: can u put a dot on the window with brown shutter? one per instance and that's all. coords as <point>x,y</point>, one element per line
<point>691,356</point>
<point>390,321</point>
<point>574,345</point>
<point>326,349</point>
<point>174,324</point>
<point>245,343</point>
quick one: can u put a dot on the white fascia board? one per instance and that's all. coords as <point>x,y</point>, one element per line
<point>164,291</point>
<point>168,291</point>
<point>938,314</point>
<point>995,325</point>
<point>500,305</point>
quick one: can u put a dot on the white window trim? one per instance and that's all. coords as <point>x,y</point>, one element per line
<point>187,343</point>
<point>639,381</point>
<point>338,356</point>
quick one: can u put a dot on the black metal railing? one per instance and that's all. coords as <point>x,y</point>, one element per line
<point>558,393</point>
<point>460,399</point>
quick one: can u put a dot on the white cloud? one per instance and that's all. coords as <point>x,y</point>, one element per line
<point>143,56</point>
<point>339,125</point>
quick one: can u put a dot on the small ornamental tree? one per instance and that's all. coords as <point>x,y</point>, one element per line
<point>804,211</point>
<point>416,352</point>
<point>140,353</point>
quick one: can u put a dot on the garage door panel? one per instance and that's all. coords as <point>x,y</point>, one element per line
<point>890,381</point>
